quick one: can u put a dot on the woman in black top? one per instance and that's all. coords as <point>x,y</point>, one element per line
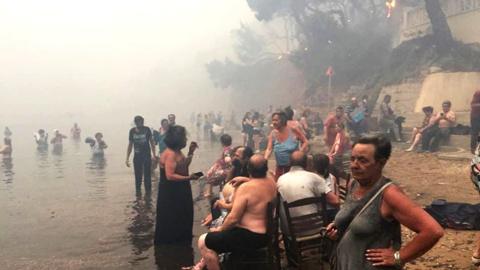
<point>174,202</point>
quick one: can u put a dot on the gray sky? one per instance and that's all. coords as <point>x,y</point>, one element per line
<point>76,55</point>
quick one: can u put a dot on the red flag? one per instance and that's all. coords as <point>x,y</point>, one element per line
<point>330,71</point>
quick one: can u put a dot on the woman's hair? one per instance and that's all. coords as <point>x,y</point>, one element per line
<point>321,163</point>
<point>283,117</point>
<point>163,121</point>
<point>176,138</point>
<point>383,147</point>
<point>289,113</point>
<point>234,149</point>
<point>98,134</point>
<point>226,140</point>
<point>247,153</point>
<point>427,109</point>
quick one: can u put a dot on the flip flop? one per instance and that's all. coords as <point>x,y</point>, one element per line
<point>199,266</point>
<point>475,261</point>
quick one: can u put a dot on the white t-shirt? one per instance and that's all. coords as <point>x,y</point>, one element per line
<point>300,184</point>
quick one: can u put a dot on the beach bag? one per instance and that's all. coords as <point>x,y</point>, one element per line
<point>457,216</point>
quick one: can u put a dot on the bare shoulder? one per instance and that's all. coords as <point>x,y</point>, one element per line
<point>395,198</point>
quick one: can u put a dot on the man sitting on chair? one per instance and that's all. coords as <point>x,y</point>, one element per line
<point>300,184</point>
<point>245,228</point>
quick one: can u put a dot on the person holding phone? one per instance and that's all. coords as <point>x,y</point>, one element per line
<point>174,221</point>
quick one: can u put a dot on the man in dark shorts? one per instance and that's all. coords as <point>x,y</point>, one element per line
<point>141,140</point>
<point>244,229</point>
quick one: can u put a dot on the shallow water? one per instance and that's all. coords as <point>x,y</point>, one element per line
<point>70,210</point>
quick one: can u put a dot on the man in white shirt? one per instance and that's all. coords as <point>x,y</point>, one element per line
<point>300,184</point>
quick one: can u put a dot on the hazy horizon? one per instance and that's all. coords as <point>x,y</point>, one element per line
<point>90,57</point>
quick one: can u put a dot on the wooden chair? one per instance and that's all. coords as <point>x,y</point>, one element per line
<point>265,258</point>
<point>304,237</point>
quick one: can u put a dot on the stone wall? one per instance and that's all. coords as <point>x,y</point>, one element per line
<point>408,99</point>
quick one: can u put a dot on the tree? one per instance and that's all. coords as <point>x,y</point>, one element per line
<point>348,34</point>
<point>441,31</point>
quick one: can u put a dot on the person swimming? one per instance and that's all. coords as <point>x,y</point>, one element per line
<point>97,144</point>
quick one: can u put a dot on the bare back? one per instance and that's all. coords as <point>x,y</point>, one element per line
<point>255,194</point>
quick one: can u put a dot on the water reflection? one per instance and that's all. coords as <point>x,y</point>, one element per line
<point>58,161</point>
<point>97,176</point>
<point>173,257</point>
<point>141,227</point>
<point>7,170</point>
<point>57,149</point>
<point>76,142</point>
<point>42,157</point>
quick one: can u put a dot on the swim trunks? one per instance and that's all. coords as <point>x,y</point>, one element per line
<point>235,240</point>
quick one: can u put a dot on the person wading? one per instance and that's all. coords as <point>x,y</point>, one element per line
<point>140,138</point>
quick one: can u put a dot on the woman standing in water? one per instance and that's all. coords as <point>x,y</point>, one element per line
<point>174,222</point>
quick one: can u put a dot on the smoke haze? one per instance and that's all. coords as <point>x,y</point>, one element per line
<point>89,57</point>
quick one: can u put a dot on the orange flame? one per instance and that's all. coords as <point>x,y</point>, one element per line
<point>390,6</point>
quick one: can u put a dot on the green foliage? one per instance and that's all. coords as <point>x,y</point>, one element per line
<point>249,46</point>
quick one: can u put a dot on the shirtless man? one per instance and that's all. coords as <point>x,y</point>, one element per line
<point>75,131</point>
<point>246,226</point>
<point>6,149</point>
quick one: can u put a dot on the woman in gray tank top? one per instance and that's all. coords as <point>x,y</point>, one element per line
<point>368,225</point>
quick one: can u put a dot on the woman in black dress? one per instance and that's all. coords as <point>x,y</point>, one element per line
<point>174,202</point>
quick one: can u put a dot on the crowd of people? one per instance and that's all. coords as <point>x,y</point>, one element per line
<point>41,137</point>
<point>365,227</point>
